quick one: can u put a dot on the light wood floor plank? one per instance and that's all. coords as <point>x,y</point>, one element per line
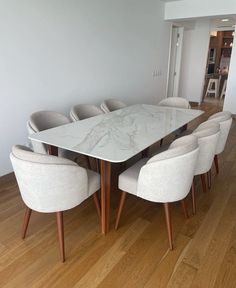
<point>207,272</point>
<point>164,269</point>
<point>227,276</point>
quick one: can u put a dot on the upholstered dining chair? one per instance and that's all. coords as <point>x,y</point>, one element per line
<point>43,120</point>
<point>110,105</point>
<point>84,111</point>
<point>50,184</point>
<point>224,118</point>
<point>177,102</point>
<point>208,136</point>
<point>166,177</point>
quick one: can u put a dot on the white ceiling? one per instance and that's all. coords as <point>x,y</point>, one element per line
<point>218,24</point>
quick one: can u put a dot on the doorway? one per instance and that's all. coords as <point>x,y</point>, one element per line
<point>217,66</point>
<point>175,61</point>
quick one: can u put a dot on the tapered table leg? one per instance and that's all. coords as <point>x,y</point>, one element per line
<point>105,195</point>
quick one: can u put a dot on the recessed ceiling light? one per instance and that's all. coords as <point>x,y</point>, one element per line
<point>225,20</point>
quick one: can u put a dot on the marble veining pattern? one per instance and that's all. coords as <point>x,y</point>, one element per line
<point>119,135</point>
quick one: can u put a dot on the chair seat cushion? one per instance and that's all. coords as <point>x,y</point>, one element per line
<point>128,180</point>
<point>93,182</point>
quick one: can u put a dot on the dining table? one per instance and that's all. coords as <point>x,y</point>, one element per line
<point>116,137</point>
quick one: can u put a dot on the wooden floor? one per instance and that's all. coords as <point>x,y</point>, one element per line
<point>137,254</point>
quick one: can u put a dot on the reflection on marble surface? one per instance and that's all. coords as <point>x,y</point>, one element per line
<point>119,135</point>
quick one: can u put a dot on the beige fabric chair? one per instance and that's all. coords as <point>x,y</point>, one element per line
<point>208,137</point>
<point>177,102</point>
<point>224,118</point>
<point>43,120</point>
<point>81,112</point>
<point>50,184</point>
<point>84,111</point>
<point>110,105</point>
<point>164,178</point>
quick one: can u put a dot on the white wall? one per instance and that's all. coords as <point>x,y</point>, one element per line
<point>199,8</point>
<point>230,97</point>
<point>194,59</point>
<point>55,54</point>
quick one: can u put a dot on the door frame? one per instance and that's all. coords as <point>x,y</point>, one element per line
<point>177,61</point>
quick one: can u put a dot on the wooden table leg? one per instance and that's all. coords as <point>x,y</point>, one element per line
<point>105,195</point>
<point>52,150</point>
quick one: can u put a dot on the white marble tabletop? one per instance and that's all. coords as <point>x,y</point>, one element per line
<point>119,135</point>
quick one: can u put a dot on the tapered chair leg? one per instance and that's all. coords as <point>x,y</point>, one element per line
<point>209,179</point>
<point>88,162</point>
<point>193,199</point>
<point>203,178</point>
<point>184,206</point>
<point>28,212</point>
<point>145,153</point>
<point>120,208</point>
<point>216,163</point>
<point>168,224</point>
<point>97,204</point>
<point>60,229</point>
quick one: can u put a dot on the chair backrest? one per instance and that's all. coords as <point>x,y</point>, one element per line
<point>48,183</point>
<point>225,120</point>
<point>43,120</point>
<point>110,105</point>
<point>208,137</point>
<point>84,111</point>
<point>177,102</point>
<point>168,176</point>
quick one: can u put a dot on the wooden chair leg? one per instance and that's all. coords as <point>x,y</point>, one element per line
<point>193,199</point>
<point>216,163</point>
<point>88,162</point>
<point>60,229</point>
<point>168,224</point>
<point>184,206</point>
<point>28,212</point>
<point>97,204</point>
<point>120,208</point>
<point>145,153</point>
<point>209,179</point>
<point>203,178</point>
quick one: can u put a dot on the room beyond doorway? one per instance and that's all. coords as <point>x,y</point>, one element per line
<point>217,66</point>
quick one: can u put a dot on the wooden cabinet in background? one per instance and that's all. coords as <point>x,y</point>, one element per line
<point>220,47</point>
